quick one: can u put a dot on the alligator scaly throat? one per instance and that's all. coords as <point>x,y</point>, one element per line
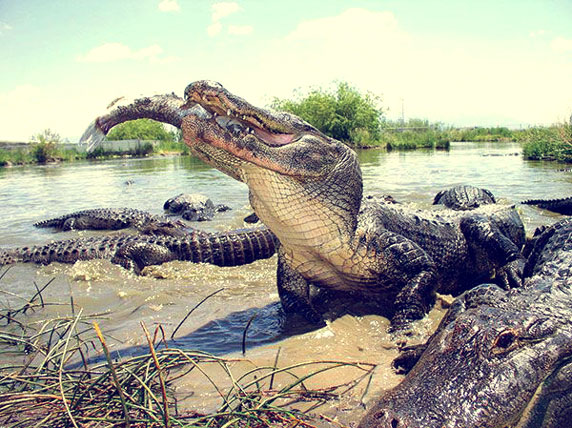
<point>499,358</point>
<point>307,189</point>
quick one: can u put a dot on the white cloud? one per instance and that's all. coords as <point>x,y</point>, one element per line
<point>4,27</point>
<point>560,44</point>
<point>110,52</point>
<point>442,80</point>
<point>537,33</point>
<point>169,6</point>
<point>223,9</point>
<point>240,30</point>
<point>214,29</point>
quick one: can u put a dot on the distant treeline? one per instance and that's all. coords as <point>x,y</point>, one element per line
<point>344,113</point>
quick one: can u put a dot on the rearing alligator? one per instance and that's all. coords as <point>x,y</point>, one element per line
<point>307,189</point>
<point>499,358</point>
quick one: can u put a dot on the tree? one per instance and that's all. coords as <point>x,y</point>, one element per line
<point>140,129</point>
<point>344,113</point>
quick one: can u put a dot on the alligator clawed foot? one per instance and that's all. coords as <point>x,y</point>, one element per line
<point>511,275</point>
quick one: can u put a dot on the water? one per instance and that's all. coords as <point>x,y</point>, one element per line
<point>167,293</point>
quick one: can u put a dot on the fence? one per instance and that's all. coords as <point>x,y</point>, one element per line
<point>108,146</point>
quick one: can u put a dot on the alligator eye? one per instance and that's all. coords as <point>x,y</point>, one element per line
<point>504,341</point>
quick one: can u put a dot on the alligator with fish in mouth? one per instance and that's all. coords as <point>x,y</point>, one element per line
<point>498,358</point>
<point>307,189</point>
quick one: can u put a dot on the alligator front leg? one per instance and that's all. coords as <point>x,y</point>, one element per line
<point>490,246</point>
<point>135,256</point>
<point>294,292</point>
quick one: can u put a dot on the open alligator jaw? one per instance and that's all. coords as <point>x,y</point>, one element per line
<point>241,118</point>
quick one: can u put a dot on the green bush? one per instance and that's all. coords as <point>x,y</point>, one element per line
<point>547,143</point>
<point>44,146</point>
<point>344,113</point>
<point>141,129</point>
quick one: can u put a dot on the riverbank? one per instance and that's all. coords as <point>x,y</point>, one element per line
<point>538,143</point>
<point>55,153</point>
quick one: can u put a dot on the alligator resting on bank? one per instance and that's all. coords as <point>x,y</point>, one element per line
<point>464,197</point>
<point>307,189</point>
<point>159,243</point>
<point>106,219</point>
<point>561,206</point>
<point>498,358</point>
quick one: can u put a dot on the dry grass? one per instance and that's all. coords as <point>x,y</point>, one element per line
<point>48,380</point>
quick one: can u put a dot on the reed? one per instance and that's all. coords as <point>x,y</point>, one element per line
<point>45,379</point>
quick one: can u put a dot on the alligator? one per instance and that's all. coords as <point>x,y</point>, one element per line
<point>106,219</point>
<point>561,206</point>
<point>498,358</point>
<point>307,189</point>
<point>464,197</point>
<point>157,244</point>
<point>194,207</point>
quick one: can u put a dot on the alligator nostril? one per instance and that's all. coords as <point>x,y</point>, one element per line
<point>394,423</point>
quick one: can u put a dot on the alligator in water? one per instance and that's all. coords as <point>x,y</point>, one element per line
<point>194,206</point>
<point>106,219</point>
<point>158,244</point>
<point>464,197</point>
<point>307,189</point>
<point>499,358</point>
<point>561,206</point>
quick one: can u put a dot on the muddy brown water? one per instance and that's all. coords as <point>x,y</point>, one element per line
<point>166,293</point>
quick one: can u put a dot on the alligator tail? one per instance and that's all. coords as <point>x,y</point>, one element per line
<point>561,205</point>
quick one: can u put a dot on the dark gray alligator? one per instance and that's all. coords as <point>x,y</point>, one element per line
<point>106,219</point>
<point>464,197</point>
<point>307,189</point>
<point>193,207</point>
<point>159,244</point>
<point>499,358</point>
<point>561,206</point>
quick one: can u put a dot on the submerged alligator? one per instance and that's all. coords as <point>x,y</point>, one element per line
<point>499,358</point>
<point>464,197</point>
<point>159,244</point>
<point>561,206</point>
<point>307,189</point>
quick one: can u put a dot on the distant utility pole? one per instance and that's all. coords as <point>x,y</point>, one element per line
<point>402,111</point>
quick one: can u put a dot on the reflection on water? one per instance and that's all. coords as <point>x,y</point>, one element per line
<point>30,194</point>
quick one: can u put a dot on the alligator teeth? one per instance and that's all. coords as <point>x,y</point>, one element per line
<point>229,112</point>
<point>250,130</point>
<point>244,117</point>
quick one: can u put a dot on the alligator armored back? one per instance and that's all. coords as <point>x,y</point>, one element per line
<point>106,219</point>
<point>135,252</point>
<point>307,189</point>
<point>499,358</point>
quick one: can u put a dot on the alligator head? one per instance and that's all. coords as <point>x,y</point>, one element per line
<point>497,360</point>
<point>284,161</point>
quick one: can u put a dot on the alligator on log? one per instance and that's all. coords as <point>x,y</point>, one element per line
<point>307,189</point>
<point>561,206</point>
<point>498,358</point>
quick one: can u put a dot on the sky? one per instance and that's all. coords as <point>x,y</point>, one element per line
<point>459,62</point>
